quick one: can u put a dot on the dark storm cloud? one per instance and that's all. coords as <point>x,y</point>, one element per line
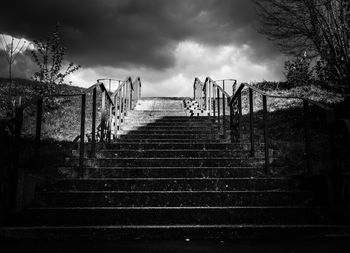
<point>128,33</point>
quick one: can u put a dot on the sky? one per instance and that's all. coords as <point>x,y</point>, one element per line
<point>166,42</point>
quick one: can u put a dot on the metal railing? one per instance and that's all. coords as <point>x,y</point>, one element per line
<point>112,105</point>
<point>235,104</point>
<point>113,108</point>
<point>125,98</point>
<point>213,98</point>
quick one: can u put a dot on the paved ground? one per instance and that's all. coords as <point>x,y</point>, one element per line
<point>150,104</point>
<point>317,246</point>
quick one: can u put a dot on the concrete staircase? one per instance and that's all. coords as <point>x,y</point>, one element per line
<point>171,176</point>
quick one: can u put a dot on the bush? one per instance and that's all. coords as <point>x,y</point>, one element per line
<point>298,71</point>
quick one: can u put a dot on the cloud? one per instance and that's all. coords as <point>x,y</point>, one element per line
<point>191,60</point>
<point>133,33</point>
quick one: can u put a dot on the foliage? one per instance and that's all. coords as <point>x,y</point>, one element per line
<point>298,71</point>
<point>321,27</point>
<point>49,56</point>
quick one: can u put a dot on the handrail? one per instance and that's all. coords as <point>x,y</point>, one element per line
<point>325,107</point>
<point>125,98</point>
<point>131,93</point>
<point>235,105</point>
<point>210,96</point>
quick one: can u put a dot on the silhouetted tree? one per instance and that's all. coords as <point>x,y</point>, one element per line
<point>11,50</point>
<point>321,27</point>
<point>49,56</point>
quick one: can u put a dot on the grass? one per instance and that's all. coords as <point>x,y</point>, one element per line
<point>61,122</point>
<point>286,126</point>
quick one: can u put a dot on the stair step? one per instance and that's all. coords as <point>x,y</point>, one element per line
<point>173,198</point>
<point>168,136</point>
<point>187,140</point>
<point>127,127</point>
<point>165,132</point>
<point>176,184</point>
<point>177,146</point>
<point>165,162</point>
<point>78,216</point>
<point>174,153</point>
<point>162,172</point>
<point>150,123</point>
<point>173,232</point>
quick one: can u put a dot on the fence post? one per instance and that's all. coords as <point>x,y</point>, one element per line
<point>266,136</point>
<point>39,112</point>
<point>120,108</point>
<point>110,128</point>
<point>239,100</point>
<point>14,173</point>
<point>130,91</point>
<point>218,98</point>
<point>251,112</point>
<point>307,137</point>
<point>103,115</point>
<point>93,124</point>
<point>209,98</point>
<point>115,116</point>
<point>231,124</point>
<point>223,114</point>
<point>82,136</point>
<point>214,103</point>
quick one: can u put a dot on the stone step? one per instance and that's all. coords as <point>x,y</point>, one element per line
<point>169,136</point>
<point>166,128</point>
<point>176,184</point>
<point>171,216</point>
<point>165,124</point>
<point>174,141</point>
<point>124,153</point>
<point>166,162</point>
<point>162,132</point>
<point>75,198</point>
<point>162,172</point>
<point>168,119</point>
<point>178,146</point>
<point>174,232</point>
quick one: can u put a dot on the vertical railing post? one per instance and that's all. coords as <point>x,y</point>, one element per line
<point>139,83</point>
<point>103,115</point>
<point>307,138</point>
<point>239,100</point>
<point>115,116</point>
<point>130,95</point>
<point>110,129</point>
<point>214,103</point>
<point>14,172</point>
<point>39,112</point>
<point>266,136</point>
<point>251,112</point>
<point>93,124</point>
<point>120,108</point>
<point>82,136</point>
<point>125,104</point>
<point>218,98</point>
<point>223,113</point>
<point>231,124</point>
<point>209,98</point>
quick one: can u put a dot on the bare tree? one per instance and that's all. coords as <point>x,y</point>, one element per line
<point>49,56</point>
<point>321,27</point>
<point>11,50</point>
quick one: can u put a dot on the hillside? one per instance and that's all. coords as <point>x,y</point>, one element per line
<point>61,116</point>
